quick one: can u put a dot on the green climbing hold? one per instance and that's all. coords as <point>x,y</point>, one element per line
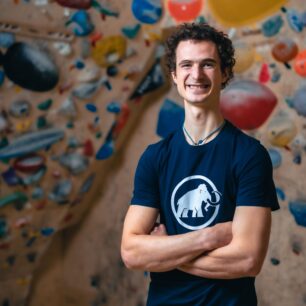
<point>45,105</point>
<point>18,198</point>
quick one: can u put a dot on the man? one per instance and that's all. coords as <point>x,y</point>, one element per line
<point>210,184</point>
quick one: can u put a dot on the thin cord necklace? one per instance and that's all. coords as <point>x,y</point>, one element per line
<point>201,141</point>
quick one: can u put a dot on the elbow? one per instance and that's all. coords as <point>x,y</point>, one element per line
<point>253,266</point>
<point>129,259</point>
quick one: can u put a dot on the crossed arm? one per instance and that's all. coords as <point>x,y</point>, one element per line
<point>226,250</point>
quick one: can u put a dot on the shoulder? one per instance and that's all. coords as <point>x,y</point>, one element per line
<point>244,144</point>
<point>157,150</point>
<point>246,148</point>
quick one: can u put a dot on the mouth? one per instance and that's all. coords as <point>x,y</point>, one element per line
<point>198,86</point>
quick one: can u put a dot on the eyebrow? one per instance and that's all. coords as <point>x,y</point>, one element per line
<point>206,60</point>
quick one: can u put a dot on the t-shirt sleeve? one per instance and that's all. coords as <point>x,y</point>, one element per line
<point>146,190</point>
<point>255,181</point>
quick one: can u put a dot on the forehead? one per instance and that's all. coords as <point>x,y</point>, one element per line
<point>196,50</point>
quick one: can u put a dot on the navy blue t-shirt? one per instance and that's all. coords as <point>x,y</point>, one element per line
<point>199,186</point>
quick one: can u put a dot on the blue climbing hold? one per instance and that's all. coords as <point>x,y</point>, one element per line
<point>113,107</point>
<point>91,107</point>
<point>170,118</point>
<point>298,210</point>
<point>272,26</point>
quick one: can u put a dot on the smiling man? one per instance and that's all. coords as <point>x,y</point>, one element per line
<point>209,183</point>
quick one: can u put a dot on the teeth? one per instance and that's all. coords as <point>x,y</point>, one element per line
<point>198,86</point>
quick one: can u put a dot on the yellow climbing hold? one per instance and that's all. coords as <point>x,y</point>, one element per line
<point>237,13</point>
<point>23,126</point>
<point>109,50</point>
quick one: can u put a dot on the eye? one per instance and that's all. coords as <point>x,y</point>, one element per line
<point>208,65</point>
<point>186,65</point>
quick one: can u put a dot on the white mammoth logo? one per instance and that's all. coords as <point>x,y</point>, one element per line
<point>193,199</point>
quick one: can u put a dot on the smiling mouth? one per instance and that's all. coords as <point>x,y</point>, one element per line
<point>200,86</point>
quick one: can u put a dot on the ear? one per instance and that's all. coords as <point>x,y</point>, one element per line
<point>224,76</point>
<point>173,74</point>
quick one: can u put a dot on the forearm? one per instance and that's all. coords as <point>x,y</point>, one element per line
<point>163,253</point>
<point>231,261</point>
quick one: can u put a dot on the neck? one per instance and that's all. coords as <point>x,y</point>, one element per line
<point>199,122</point>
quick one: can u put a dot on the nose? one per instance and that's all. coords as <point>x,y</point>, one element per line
<point>197,72</point>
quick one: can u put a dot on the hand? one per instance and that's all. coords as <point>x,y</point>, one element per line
<point>159,230</point>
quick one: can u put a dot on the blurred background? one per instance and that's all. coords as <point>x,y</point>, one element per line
<point>83,91</point>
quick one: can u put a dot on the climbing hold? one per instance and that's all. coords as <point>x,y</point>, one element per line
<point>184,10</point>
<point>45,105</point>
<point>91,107</point>
<point>298,101</point>
<point>31,142</point>
<point>3,228</point>
<point>294,20</point>
<point>247,104</point>
<point>75,4</point>
<point>30,67</point>
<point>281,129</point>
<point>264,74</point>
<point>275,261</point>
<point>280,194</point>
<point>89,74</point>
<point>47,231</point>
<point>37,193</point>
<point>276,157</point>
<point>113,107</point>
<point>244,54</point>
<point>109,50</point>
<point>88,148</point>
<point>82,25</point>
<point>298,210</point>
<point>300,63</point>
<point>74,162</point>
<point>171,117</point>
<point>284,50</point>
<point>87,184</point>
<point>41,122</point>
<point>30,163</point>
<point>272,26</point>
<point>236,13</point>
<point>112,71</point>
<point>6,39</point>
<point>79,64</point>
<point>86,90</point>
<point>153,80</point>
<point>131,31</point>
<point>31,257</point>
<point>147,11</point>
<point>10,177</point>
<point>61,191</point>
<point>34,178</point>
<point>18,198</point>
<point>68,108</point>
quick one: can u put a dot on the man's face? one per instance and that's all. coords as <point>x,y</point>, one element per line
<point>198,73</point>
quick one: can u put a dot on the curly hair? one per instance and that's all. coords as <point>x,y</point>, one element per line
<point>202,32</point>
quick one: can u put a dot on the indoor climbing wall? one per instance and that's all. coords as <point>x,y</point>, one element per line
<point>72,80</point>
<point>83,92</point>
